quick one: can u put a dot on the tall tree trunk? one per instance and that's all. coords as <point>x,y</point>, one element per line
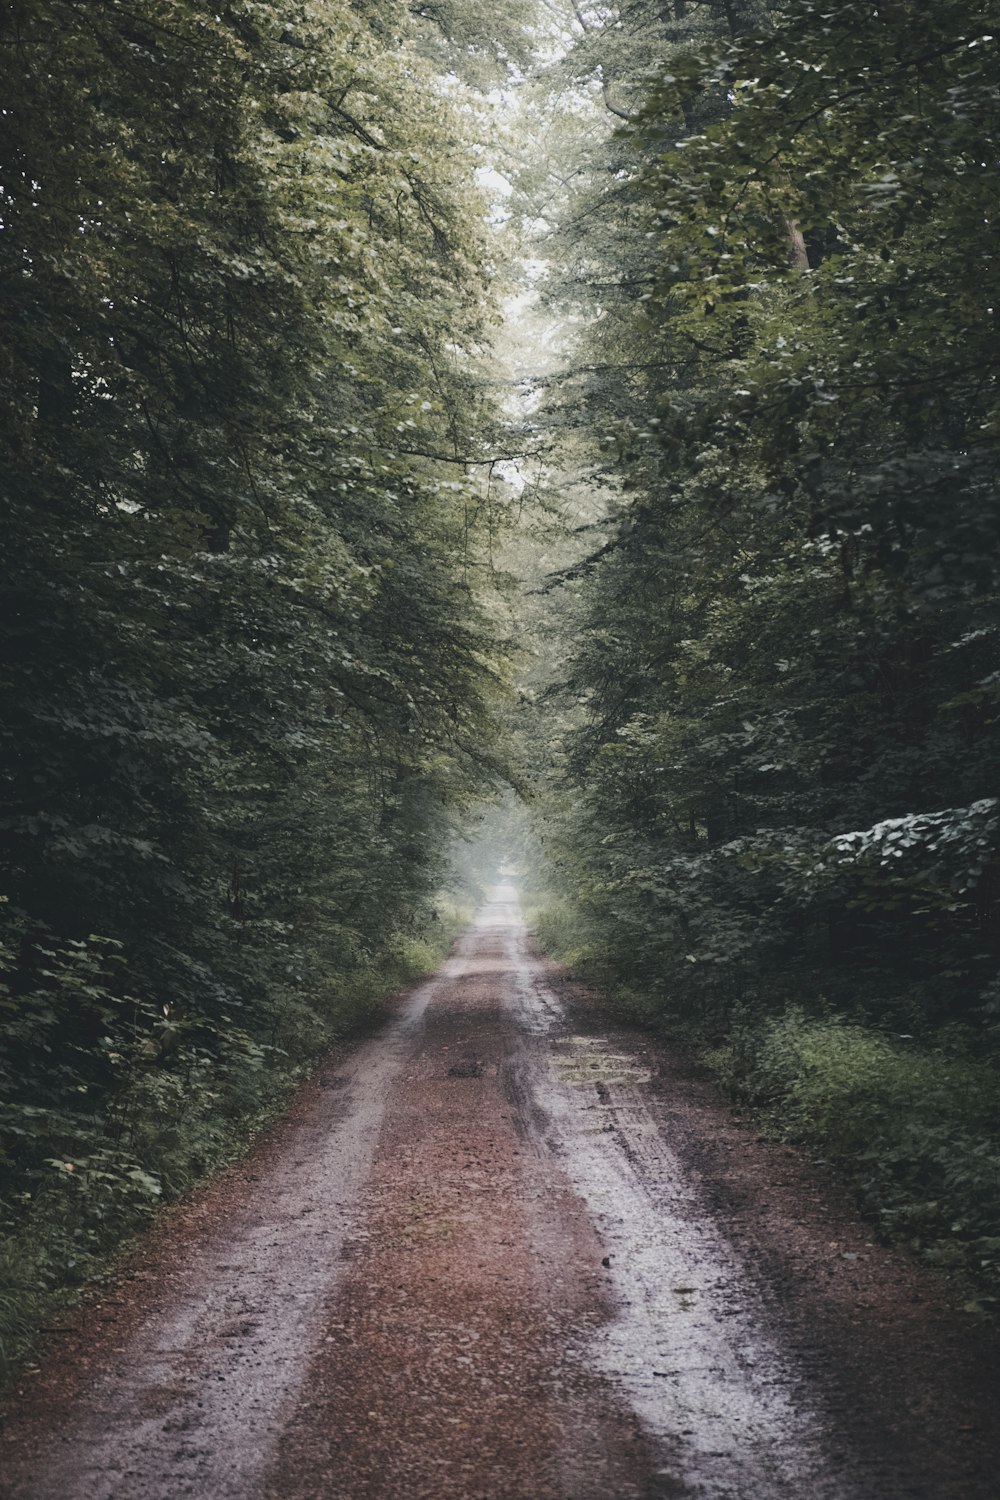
<point>798,255</point>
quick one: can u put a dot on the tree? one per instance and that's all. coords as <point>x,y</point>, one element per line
<point>254,662</point>
<point>789,753</point>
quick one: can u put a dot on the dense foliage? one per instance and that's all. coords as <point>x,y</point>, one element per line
<point>246,294</point>
<point>780,750</point>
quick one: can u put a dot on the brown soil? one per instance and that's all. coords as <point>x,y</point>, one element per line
<point>509,1249</point>
<point>443,1373</point>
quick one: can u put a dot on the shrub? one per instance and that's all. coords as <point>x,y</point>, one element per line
<point>915,1128</point>
<point>77,1179</point>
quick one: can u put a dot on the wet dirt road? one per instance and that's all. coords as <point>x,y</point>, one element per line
<point>505,1249</point>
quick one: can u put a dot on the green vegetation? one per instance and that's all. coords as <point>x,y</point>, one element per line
<point>179,1110</point>
<point>915,1128</point>
<point>774,795</point>
<point>255,493</point>
<point>253,653</point>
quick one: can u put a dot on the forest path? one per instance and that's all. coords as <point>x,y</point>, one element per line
<point>500,1251</point>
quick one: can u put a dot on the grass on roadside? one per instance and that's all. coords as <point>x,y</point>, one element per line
<point>915,1127</point>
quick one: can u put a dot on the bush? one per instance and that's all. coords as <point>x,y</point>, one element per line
<point>915,1128</point>
<point>562,932</point>
<point>76,1180</point>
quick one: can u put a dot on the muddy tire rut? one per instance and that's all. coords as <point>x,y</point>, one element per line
<point>505,1249</point>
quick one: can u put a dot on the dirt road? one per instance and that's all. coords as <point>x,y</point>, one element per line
<point>499,1250</point>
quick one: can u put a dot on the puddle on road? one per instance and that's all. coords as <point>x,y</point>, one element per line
<point>585,1060</point>
<point>725,1408</point>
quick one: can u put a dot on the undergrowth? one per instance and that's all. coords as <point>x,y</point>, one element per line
<point>80,1181</point>
<point>915,1126</point>
<point>559,930</point>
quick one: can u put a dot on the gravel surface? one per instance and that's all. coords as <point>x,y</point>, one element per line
<point>509,1247</point>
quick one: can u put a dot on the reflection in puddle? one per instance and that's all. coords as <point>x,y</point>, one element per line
<point>586,1060</point>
